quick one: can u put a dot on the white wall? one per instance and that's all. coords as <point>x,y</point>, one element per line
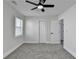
<point>70,29</point>
<point>9,39</point>
<point>31,31</point>
<point>32,28</point>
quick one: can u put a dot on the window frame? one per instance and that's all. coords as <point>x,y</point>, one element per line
<point>18,28</point>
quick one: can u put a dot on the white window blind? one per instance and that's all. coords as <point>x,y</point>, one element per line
<point>18,26</point>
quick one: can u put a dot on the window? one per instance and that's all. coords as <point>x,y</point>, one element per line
<point>18,26</point>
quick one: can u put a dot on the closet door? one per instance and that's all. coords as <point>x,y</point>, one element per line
<point>43,31</point>
<point>54,32</point>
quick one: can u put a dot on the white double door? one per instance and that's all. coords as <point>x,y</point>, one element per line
<point>48,32</point>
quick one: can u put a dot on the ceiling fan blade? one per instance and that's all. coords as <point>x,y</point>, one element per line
<point>39,1</point>
<point>34,8</point>
<point>32,3</point>
<point>42,1</point>
<point>48,5</point>
<point>42,10</point>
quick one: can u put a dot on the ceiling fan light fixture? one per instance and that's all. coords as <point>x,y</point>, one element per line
<point>40,7</point>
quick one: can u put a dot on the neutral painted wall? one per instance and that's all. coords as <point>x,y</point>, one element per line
<point>9,39</point>
<point>70,29</point>
<point>32,29</point>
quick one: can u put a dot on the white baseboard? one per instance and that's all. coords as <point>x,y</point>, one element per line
<point>71,52</point>
<point>30,42</point>
<point>38,42</point>
<point>11,50</point>
<point>53,42</point>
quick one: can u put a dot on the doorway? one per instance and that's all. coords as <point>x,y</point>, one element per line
<point>62,31</point>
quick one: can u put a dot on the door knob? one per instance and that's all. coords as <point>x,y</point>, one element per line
<point>51,33</point>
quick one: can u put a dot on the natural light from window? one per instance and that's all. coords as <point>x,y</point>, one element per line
<point>18,26</point>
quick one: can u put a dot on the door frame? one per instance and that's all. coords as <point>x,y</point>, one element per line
<point>62,31</point>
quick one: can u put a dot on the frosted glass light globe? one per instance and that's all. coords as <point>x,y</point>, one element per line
<point>40,7</point>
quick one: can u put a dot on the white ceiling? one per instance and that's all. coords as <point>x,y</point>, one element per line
<point>60,7</point>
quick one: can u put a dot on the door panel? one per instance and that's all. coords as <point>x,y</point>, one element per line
<point>43,31</point>
<point>49,32</point>
<point>54,32</point>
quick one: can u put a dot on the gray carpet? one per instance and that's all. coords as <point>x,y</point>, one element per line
<point>40,51</point>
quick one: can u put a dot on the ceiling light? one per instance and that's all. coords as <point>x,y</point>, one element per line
<point>40,7</point>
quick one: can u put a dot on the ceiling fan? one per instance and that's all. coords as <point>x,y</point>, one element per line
<point>40,5</point>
